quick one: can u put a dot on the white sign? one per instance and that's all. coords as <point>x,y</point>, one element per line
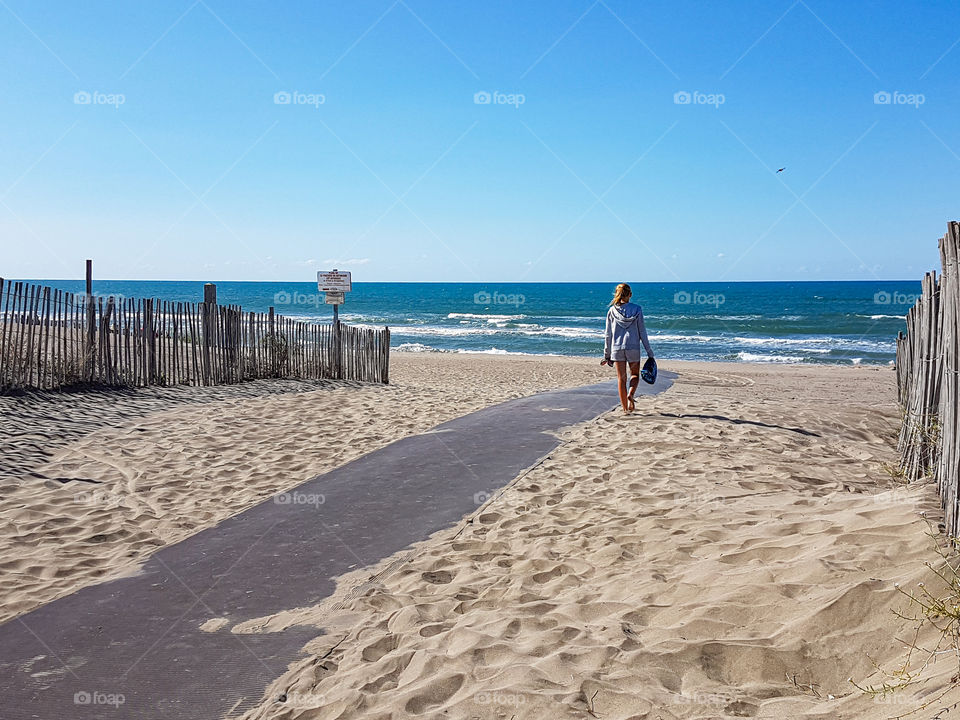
<point>333,281</point>
<point>334,298</point>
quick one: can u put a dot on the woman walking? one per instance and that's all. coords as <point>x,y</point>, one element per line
<point>624,335</point>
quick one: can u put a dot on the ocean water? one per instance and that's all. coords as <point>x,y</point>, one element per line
<point>780,322</point>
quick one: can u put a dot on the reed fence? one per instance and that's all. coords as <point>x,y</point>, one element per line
<point>928,363</point>
<point>52,339</point>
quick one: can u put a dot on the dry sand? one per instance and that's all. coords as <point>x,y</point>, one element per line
<point>91,485</point>
<point>727,551</point>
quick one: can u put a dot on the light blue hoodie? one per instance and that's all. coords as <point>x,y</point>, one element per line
<point>625,329</point>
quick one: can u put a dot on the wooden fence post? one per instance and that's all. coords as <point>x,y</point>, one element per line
<point>90,335</point>
<point>150,340</point>
<point>208,322</point>
<point>272,341</point>
<point>385,349</point>
<point>337,350</point>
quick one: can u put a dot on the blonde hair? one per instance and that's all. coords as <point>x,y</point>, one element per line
<point>622,294</point>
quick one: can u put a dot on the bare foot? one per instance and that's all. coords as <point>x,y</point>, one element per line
<point>631,405</point>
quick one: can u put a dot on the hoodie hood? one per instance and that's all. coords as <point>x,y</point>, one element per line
<point>624,315</point>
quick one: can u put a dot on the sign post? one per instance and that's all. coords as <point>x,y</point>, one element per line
<point>334,284</point>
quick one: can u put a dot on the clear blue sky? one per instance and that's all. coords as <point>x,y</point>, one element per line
<point>400,175</point>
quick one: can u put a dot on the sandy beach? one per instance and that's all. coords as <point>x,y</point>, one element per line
<point>729,550</point>
<point>93,484</point>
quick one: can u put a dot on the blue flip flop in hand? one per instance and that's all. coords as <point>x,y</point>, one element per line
<point>649,371</point>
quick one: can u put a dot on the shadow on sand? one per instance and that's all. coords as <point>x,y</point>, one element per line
<point>740,421</point>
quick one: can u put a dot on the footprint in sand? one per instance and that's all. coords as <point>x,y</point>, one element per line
<point>376,650</point>
<point>434,694</point>
<point>437,577</point>
<point>431,630</point>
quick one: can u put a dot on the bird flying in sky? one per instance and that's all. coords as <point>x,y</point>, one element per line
<point>780,170</point>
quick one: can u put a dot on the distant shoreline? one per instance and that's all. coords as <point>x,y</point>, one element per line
<point>719,361</point>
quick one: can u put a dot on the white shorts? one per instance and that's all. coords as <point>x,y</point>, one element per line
<point>625,356</point>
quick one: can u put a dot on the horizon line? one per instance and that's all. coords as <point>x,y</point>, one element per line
<point>475,282</point>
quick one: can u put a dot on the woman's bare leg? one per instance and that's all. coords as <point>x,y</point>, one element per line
<point>634,384</point>
<point>622,383</point>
